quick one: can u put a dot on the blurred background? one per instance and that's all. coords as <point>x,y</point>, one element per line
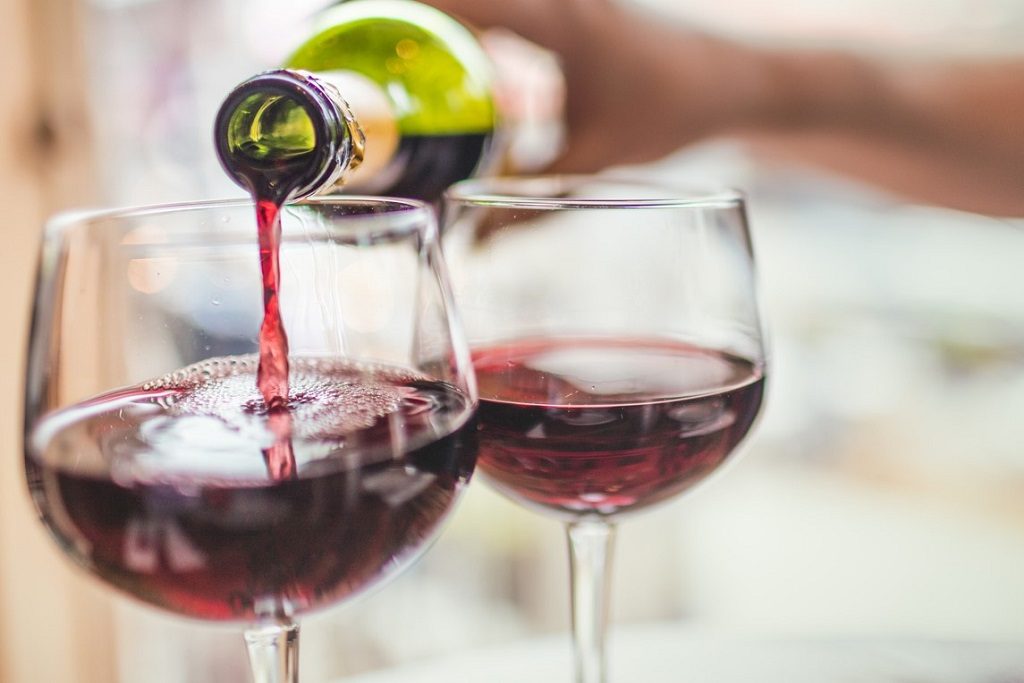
<point>882,494</point>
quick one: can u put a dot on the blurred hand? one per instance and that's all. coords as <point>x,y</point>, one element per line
<point>636,88</point>
<point>945,131</point>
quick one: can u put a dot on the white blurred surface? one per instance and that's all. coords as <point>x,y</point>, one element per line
<point>668,653</point>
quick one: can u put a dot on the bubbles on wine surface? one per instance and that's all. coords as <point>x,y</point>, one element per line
<point>327,398</point>
<point>209,421</point>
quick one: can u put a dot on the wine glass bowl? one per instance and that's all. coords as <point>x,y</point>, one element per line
<point>617,345</point>
<point>150,453</point>
<point>609,454</point>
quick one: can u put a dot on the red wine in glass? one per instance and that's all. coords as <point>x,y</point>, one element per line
<point>160,490</point>
<point>609,426</point>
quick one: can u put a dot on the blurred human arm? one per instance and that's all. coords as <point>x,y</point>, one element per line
<point>639,87</point>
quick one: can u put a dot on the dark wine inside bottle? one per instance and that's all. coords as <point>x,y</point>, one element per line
<point>430,163</point>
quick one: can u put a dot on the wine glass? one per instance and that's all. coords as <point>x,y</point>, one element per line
<point>149,452</point>
<point>618,351</point>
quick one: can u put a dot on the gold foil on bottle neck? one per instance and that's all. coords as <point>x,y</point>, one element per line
<point>373,125</point>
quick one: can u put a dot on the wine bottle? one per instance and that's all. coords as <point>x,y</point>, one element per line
<point>387,97</point>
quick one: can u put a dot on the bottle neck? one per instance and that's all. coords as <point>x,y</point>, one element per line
<point>287,134</point>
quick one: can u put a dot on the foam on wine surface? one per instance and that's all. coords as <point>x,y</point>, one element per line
<point>327,397</point>
<point>209,418</point>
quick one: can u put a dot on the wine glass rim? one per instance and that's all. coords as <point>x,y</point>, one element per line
<point>65,220</point>
<point>515,192</point>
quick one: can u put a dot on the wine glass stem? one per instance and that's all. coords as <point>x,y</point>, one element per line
<point>274,652</point>
<point>590,554</point>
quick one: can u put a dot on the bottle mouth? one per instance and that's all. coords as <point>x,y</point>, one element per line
<point>280,134</point>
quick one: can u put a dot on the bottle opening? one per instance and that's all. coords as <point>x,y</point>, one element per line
<point>271,127</point>
<point>281,136</point>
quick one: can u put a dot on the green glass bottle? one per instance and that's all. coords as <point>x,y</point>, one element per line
<point>386,97</point>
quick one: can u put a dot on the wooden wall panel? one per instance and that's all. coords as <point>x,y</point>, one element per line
<point>55,625</point>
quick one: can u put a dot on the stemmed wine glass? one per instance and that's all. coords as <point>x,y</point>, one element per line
<point>148,449</point>
<point>618,351</point>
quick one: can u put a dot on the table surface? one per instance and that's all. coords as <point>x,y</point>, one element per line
<point>672,654</point>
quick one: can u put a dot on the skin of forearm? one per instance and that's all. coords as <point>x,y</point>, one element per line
<point>944,133</point>
<point>934,132</point>
<point>641,86</point>
<point>914,174</point>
